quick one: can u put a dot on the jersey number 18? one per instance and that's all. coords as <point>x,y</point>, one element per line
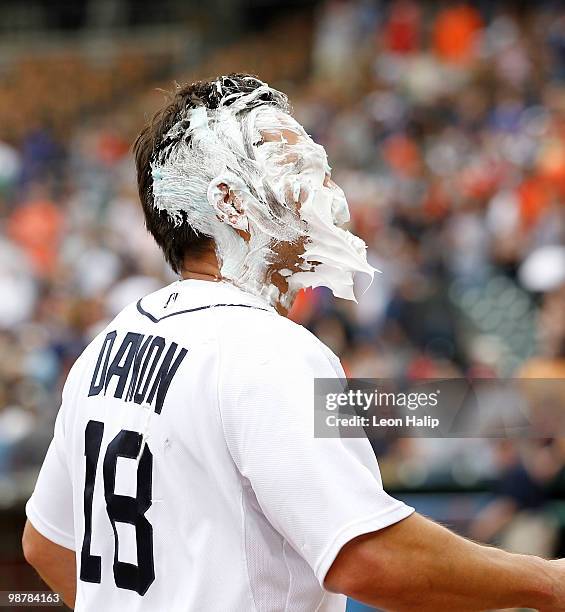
<point>121,508</point>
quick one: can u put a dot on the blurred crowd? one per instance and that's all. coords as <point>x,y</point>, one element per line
<point>445,125</point>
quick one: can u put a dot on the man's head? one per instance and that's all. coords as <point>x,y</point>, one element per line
<point>224,161</point>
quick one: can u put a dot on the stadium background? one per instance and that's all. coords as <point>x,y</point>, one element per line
<point>445,125</point>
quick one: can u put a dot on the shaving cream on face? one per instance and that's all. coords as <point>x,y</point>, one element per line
<point>276,180</point>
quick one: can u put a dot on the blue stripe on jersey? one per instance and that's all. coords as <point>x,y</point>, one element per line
<point>154,319</point>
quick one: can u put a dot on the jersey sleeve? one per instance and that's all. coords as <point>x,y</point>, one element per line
<point>318,493</point>
<point>50,508</point>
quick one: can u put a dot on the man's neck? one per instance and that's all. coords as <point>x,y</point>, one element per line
<point>206,267</point>
<point>203,267</point>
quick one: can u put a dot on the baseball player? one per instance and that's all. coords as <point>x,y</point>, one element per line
<point>184,474</point>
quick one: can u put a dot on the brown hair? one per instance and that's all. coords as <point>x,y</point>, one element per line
<point>178,240</point>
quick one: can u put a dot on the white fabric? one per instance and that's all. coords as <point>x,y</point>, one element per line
<point>248,509</point>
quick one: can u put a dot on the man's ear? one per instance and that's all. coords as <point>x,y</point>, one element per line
<point>227,198</point>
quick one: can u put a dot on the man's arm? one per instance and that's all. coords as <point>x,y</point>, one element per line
<point>418,565</point>
<point>55,564</point>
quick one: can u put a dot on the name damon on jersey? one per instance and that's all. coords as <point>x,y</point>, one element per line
<point>143,367</point>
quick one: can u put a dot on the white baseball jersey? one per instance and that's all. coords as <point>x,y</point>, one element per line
<point>184,470</point>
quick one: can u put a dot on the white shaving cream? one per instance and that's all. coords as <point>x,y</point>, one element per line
<point>277,180</point>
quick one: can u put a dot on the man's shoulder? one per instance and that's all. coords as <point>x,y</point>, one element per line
<point>242,325</point>
<point>261,335</point>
